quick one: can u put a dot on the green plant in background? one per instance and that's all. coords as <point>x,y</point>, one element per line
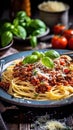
<point>6,38</point>
<point>22,27</point>
<point>20,32</point>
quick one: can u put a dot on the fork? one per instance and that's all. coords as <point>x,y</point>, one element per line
<point>26,126</point>
<point>2,123</point>
<point>2,62</point>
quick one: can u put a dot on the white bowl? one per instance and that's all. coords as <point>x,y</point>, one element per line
<point>52,18</point>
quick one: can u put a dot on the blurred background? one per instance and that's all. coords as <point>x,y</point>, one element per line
<point>8,6</point>
<point>34,4</point>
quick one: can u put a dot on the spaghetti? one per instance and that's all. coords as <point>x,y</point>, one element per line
<point>36,81</point>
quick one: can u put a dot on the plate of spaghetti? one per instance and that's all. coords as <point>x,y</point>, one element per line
<point>42,78</point>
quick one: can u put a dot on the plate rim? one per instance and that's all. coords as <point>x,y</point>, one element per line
<point>28,102</point>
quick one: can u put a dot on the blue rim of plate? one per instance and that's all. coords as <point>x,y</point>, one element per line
<point>38,36</point>
<point>32,103</point>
